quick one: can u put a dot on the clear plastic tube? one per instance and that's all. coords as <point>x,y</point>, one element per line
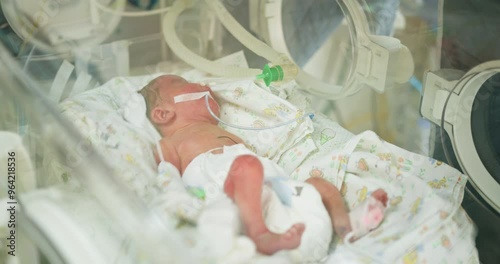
<point>260,48</point>
<point>309,83</point>
<point>320,88</point>
<point>193,59</point>
<point>310,115</point>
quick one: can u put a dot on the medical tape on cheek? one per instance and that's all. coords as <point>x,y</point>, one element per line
<point>191,97</point>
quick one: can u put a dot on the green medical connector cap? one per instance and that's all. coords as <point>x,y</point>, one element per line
<point>271,74</point>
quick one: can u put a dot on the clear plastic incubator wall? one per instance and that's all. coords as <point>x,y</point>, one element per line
<point>357,65</point>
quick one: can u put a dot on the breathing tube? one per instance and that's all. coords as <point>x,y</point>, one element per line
<point>310,115</point>
<point>192,58</point>
<point>281,68</point>
<point>196,96</point>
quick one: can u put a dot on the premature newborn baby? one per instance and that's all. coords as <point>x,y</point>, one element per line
<point>195,144</point>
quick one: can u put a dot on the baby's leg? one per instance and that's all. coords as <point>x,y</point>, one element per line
<point>244,186</point>
<point>334,203</point>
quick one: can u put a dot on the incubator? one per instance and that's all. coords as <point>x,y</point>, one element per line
<point>82,195</point>
<point>461,98</point>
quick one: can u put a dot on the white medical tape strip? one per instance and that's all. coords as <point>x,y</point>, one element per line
<point>160,152</point>
<point>60,80</point>
<point>190,97</point>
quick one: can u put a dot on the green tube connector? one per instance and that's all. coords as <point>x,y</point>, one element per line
<point>271,74</point>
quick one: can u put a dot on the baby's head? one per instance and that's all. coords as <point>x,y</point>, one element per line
<point>163,111</point>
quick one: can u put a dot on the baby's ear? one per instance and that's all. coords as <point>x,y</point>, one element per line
<point>161,116</point>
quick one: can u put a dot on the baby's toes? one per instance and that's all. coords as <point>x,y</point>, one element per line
<point>294,230</point>
<point>380,195</point>
<point>298,228</point>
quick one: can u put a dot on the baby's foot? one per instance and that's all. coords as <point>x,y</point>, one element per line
<point>380,195</point>
<point>368,215</point>
<point>269,243</point>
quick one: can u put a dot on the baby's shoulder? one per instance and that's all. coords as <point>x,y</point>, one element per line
<point>167,145</point>
<point>169,151</point>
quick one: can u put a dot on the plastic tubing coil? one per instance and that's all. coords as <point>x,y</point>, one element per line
<point>240,33</point>
<point>260,48</point>
<point>192,58</point>
<point>309,83</point>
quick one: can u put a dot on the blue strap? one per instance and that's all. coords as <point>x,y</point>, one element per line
<point>283,191</point>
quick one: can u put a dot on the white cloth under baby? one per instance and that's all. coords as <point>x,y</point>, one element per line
<point>209,171</point>
<point>245,103</point>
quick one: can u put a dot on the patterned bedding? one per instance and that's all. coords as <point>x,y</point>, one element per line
<point>424,222</point>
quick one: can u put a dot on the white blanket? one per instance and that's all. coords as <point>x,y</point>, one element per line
<point>424,222</point>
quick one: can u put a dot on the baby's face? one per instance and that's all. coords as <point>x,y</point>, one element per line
<point>171,86</point>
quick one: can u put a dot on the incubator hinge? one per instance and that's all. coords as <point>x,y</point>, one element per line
<point>436,89</point>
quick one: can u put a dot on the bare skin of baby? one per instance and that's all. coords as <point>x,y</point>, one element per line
<point>189,130</point>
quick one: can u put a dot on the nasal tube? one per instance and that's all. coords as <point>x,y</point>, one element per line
<point>310,115</point>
